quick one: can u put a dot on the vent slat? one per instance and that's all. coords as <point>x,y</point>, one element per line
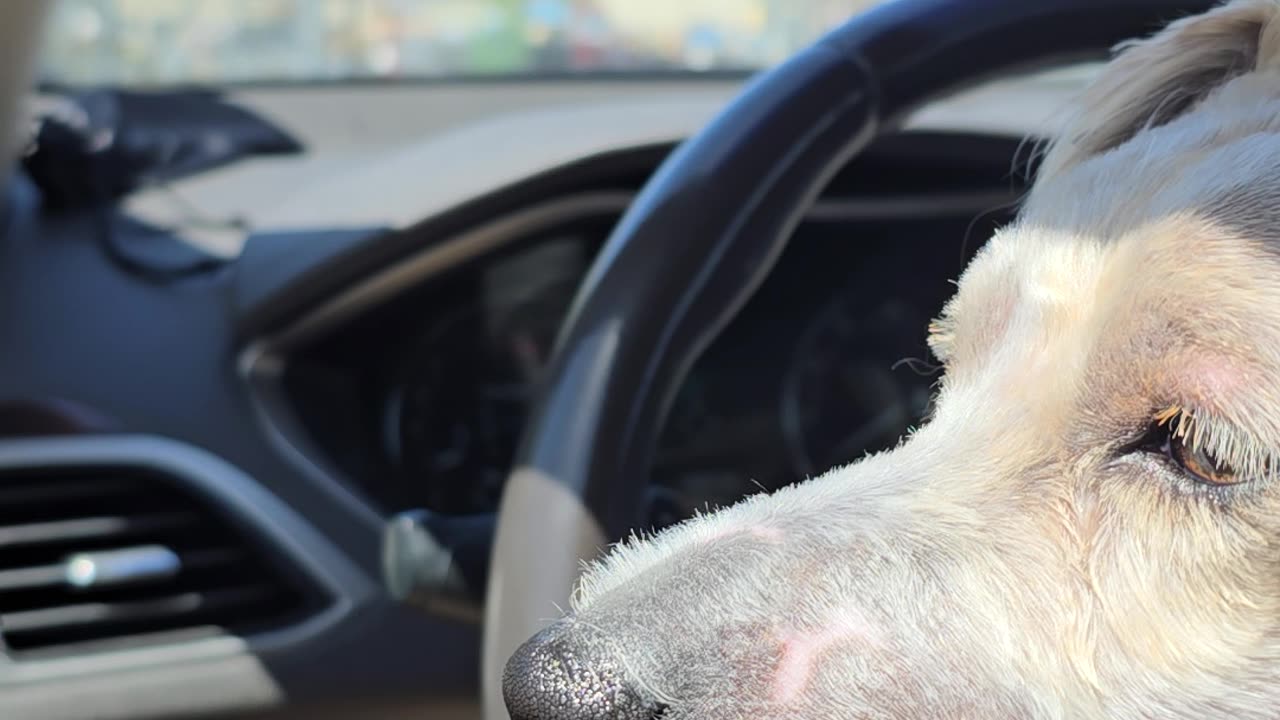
<point>55,574</point>
<point>118,556</point>
<point>32,577</point>
<point>91,528</point>
<point>62,618</point>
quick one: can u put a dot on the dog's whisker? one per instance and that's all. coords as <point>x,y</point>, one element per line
<point>920,367</point>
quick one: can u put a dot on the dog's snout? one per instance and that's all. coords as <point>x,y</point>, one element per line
<point>561,674</point>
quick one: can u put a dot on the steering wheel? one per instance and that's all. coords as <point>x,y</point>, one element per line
<point>702,236</point>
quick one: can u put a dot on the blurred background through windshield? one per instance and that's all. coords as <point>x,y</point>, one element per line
<point>166,42</point>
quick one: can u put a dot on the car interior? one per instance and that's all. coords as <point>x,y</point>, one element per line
<point>257,416</point>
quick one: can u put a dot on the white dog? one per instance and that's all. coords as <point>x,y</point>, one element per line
<point>1089,524</point>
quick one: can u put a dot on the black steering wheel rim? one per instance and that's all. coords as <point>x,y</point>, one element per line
<point>702,236</point>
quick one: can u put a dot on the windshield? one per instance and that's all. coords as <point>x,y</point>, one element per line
<point>165,42</point>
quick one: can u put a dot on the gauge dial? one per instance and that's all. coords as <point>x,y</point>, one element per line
<point>847,392</point>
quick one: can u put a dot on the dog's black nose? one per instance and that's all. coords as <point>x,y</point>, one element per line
<point>561,675</point>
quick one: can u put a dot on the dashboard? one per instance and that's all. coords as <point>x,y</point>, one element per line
<point>420,400</point>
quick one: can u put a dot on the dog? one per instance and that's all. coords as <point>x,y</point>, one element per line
<point>1088,524</point>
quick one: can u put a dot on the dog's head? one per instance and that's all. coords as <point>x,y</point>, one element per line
<point>1089,523</point>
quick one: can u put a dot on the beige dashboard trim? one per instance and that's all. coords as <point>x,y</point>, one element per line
<point>440,257</point>
<point>390,157</point>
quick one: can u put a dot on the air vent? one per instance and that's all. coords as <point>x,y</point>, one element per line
<point>121,557</point>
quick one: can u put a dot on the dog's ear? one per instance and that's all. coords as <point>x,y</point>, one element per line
<point>1154,80</point>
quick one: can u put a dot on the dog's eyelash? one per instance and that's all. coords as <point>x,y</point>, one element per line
<point>1199,431</point>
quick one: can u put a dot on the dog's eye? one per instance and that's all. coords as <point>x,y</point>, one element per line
<point>1198,462</point>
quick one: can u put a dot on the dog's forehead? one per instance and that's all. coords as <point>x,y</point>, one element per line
<point>1182,280</point>
<point>1187,213</point>
<point>1167,278</point>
